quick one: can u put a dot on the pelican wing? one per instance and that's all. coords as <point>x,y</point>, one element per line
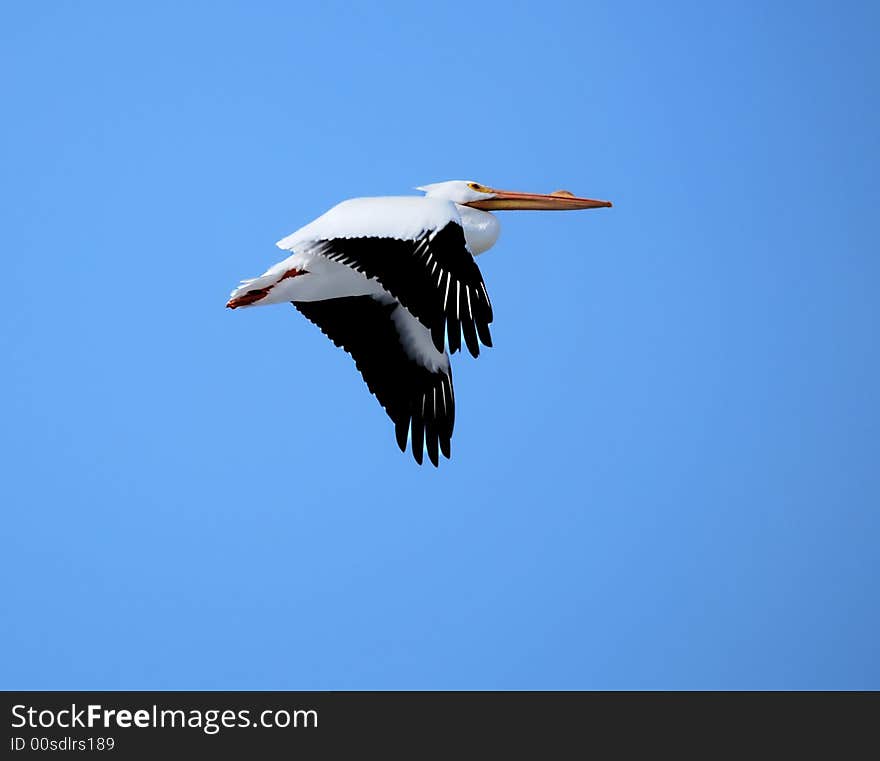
<point>400,366</point>
<point>415,248</point>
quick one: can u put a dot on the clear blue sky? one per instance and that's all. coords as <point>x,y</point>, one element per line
<point>664,475</point>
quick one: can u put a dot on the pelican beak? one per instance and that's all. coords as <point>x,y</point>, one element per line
<point>558,200</point>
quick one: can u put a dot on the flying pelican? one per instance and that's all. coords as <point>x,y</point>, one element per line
<point>393,281</point>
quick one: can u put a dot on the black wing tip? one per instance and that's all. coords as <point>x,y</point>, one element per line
<point>418,439</point>
<point>433,454</point>
<point>360,325</point>
<point>401,429</point>
<point>470,339</point>
<point>483,331</point>
<point>434,442</point>
<point>445,447</point>
<point>431,444</point>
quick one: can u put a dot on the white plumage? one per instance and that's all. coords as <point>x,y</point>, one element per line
<point>404,217</point>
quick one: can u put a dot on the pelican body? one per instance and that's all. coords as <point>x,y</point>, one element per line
<point>393,281</point>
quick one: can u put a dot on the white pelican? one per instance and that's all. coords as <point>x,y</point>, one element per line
<point>393,281</point>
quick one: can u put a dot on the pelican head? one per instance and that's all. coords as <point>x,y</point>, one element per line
<point>477,196</point>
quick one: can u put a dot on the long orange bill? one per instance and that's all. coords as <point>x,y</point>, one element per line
<point>559,200</point>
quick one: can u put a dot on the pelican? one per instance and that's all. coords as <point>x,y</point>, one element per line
<point>392,281</point>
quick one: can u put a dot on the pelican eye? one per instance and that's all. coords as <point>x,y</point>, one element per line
<point>479,188</point>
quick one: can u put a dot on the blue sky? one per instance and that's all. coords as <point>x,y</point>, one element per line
<point>664,475</point>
